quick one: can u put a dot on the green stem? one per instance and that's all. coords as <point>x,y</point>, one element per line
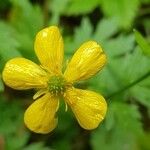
<point>129,86</point>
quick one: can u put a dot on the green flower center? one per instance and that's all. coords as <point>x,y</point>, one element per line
<point>56,85</point>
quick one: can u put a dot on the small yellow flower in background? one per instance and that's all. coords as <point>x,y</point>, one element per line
<point>20,73</point>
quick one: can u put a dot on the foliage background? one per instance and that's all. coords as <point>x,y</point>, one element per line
<point>125,81</point>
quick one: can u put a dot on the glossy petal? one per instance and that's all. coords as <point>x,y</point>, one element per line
<point>40,116</point>
<point>49,49</point>
<point>89,107</point>
<point>21,73</point>
<point>88,60</point>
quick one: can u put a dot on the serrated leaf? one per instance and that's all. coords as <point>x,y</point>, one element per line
<point>124,10</point>
<point>140,92</point>
<point>120,45</point>
<point>8,43</point>
<point>105,29</point>
<point>105,82</point>
<point>144,45</point>
<point>126,68</point>
<point>82,34</point>
<point>27,19</point>
<point>57,11</point>
<point>76,7</point>
<point>126,127</point>
<point>126,117</point>
<point>11,127</point>
<point>112,77</point>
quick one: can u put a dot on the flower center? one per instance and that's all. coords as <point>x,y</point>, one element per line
<point>56,85</point>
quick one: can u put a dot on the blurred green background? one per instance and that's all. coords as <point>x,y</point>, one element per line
<point>122,27</point>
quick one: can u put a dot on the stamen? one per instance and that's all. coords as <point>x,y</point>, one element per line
<point>56,85</point>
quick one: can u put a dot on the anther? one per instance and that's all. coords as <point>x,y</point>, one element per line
<point>56,85</point>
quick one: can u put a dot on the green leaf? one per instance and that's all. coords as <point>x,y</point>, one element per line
<point>125,68</point>
<point>66,123</point>
<point>53,6</point>
<point>122,123</point>
<point>8,44</point>
<point>1,85</point>
<point>57,11</point>
<point>141,94</point>
<point>103,34</point>
<point>17,141</point>
<point>105,29</point>
<point>76,7</point>
<point>11,126</point>
<point>82,34</point>
<point>144,141</point>
<point>27,19</point>
<point>145,1</point>
<point>144,45</point>
<point>112,77</point>
<point>124,10</point>
<point>37,146</point>
<point>120,45</point>
<point>135,60</point>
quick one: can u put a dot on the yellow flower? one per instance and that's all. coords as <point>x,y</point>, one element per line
<point>20,73</point>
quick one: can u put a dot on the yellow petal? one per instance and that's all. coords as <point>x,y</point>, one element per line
<point>49,49</point>
<point>88,60</point>
<point>89,107</point>
<point>40,116</point>
<point>21,73</point>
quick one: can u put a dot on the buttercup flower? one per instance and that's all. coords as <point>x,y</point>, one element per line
<point>88,107</point>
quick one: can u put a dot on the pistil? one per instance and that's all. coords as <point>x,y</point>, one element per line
<point>56,85</point>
